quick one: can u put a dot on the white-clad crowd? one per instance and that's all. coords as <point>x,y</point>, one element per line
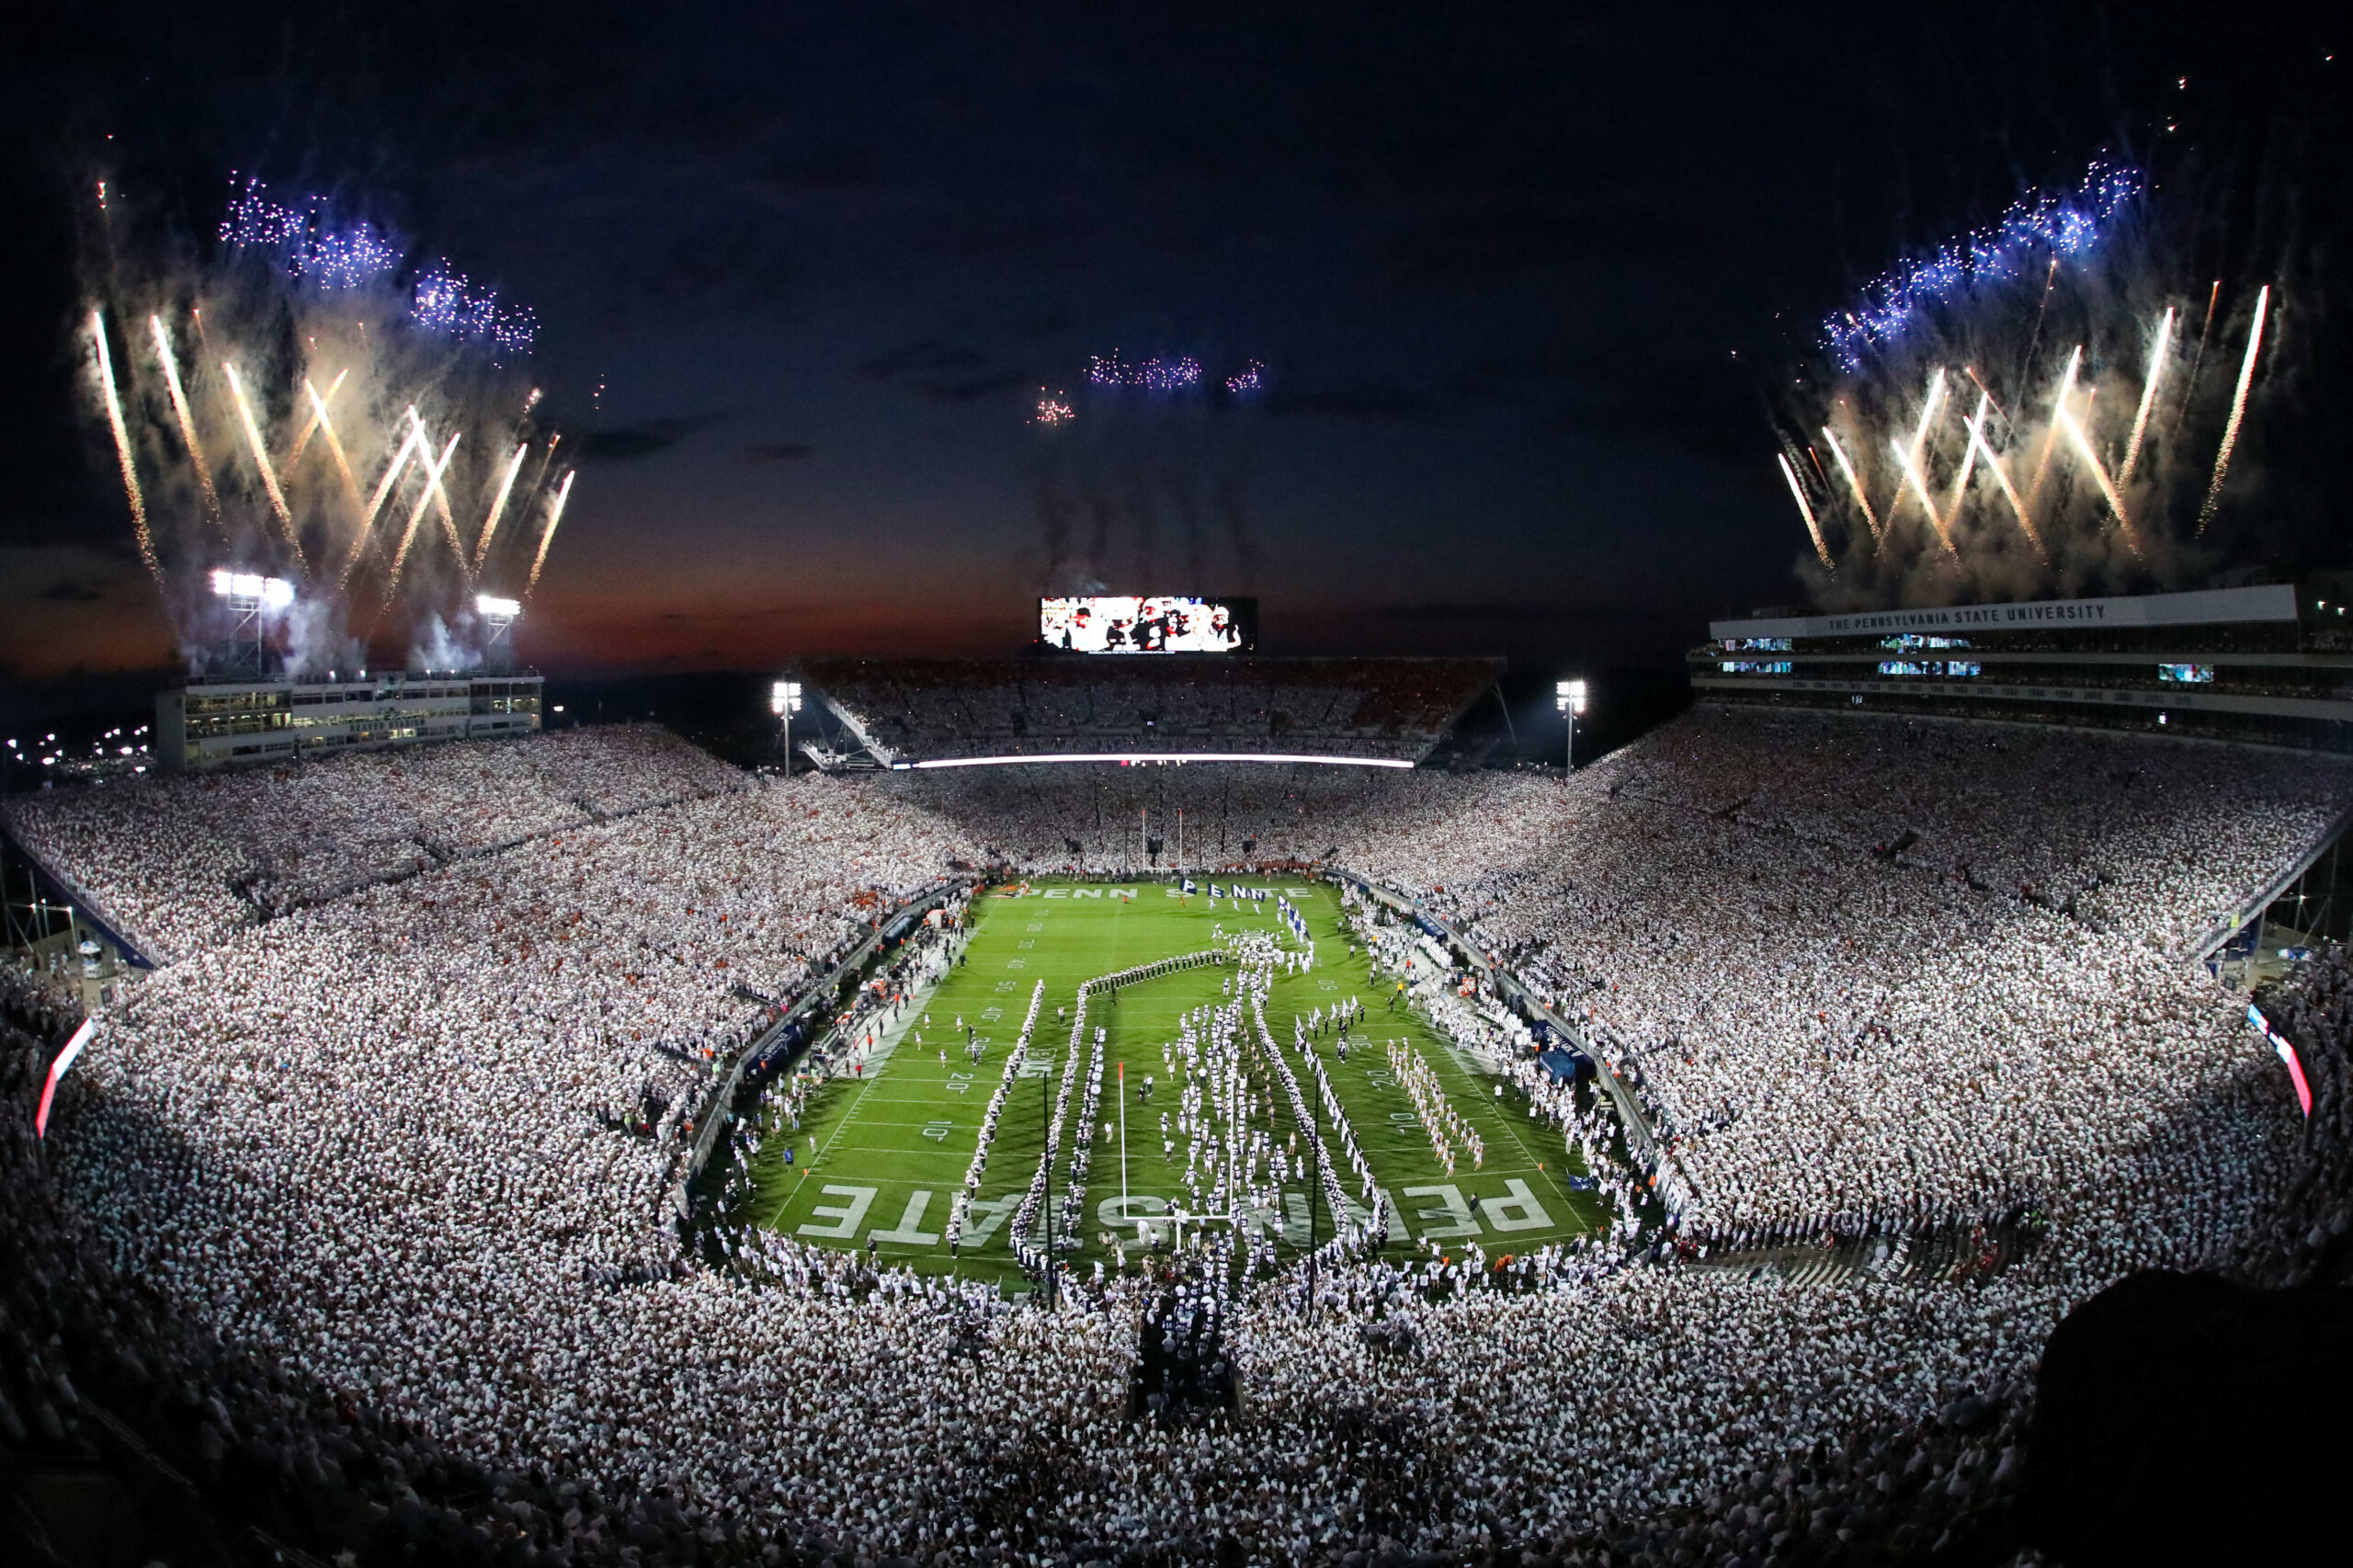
<point>367,1143</point>
<point>1379,708</point>
<point>179,862</point>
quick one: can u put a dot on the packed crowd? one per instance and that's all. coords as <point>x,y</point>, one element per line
<point>36,993</point>
<point>932,708</point>
<point>1777,989</point>
<point>467,1288</point>
<point>177,862</point>
<point>2312,1007</point>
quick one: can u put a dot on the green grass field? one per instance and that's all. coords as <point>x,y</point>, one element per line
<point>879,1158</point>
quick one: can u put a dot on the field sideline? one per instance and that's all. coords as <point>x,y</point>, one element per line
<point>878,1158</point>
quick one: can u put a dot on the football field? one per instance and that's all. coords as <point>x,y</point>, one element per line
<point>879,1157</point>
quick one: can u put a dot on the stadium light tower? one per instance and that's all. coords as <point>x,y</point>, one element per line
<point>499,615</point>
<point>784,701</point>
<point>1568,695</point>
<point>251,599</point>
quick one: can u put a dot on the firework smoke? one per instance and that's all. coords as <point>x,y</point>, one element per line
<point>273,418</point>
<point>2080,464</point>
<point>1158,452</point>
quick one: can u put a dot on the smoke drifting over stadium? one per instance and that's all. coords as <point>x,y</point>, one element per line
<point>2050,403</point>
<point>302,393</point>
<point>1146,472</point>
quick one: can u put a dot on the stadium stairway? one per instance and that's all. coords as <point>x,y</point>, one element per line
<point>1946,1255</point>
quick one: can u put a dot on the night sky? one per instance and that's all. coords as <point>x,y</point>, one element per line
<point>1520,281</point>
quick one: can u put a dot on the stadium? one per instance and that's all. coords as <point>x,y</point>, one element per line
<point>1219,1119</point>
<point>1169,1087</point>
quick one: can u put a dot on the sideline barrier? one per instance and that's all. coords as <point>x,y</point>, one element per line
<point>93,912</point>
<point>1641,1137</point>
<point>718,1111</point>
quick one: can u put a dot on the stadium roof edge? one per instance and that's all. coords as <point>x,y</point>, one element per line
<point>2202,607</point>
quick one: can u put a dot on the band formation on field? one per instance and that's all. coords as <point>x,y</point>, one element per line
<point>1214,1030</point>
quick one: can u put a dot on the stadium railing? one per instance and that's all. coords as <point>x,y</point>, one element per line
<point>1641,1137</point>
<point>142,954</point>
<point>718,1111</point>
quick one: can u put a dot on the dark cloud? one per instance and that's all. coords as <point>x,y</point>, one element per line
<point>778,451</point>
<point>67,591</point>
<point>971,389</point>
<point>628,443</point>
<point>1362,400</point>
<point>932,354</point>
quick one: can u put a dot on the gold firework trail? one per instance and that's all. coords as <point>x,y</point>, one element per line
<point>2148,401</point>
<point>187,420</point>
<point>1910,455</point>
<point>2009,492</point>
<point>2214,298</point>
<point>2238,410</point>
<point>2108,489</point>
<point>122,450</point>
<point>440,496</point>
<point>416,513</point>
<point>261,462</point>
<point>1804,510</point>
<point>547,461</point>
<point>490,525</point>
<point>1927,502</point>
<point>1853,483</point>
<point>2051,437</point>
<point>334,443</point>
<point>1970,371</point>
<point>392,471</point>
<point>2034,339</point>
<point>317,414</point>
<point>1968,458</point>
<point>555,515</point>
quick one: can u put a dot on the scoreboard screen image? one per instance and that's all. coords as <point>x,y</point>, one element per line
<point>1149,623</point>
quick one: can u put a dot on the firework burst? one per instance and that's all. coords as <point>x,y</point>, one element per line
<point>2039,227</point>
<point>2080,461</point>
<point>296,401</point>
